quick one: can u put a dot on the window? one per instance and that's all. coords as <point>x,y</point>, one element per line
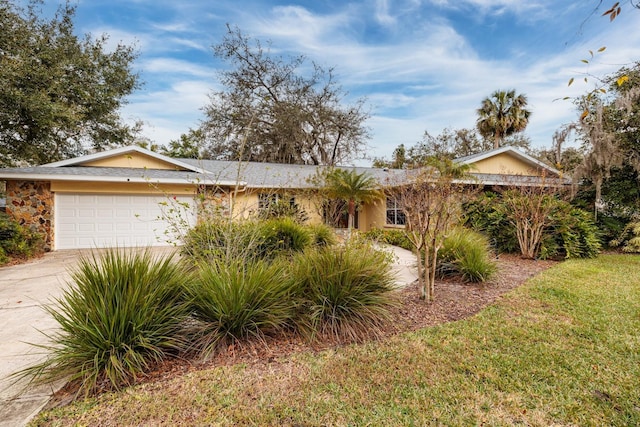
<point>269,200</point>
<point>395,214</point>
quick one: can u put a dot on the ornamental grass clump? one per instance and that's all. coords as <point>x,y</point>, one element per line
<point>322,235</point>
<point>466,253</point>
<point>282,236</point>
<point>239,301</point>
<point>122,314</point>
<point>346,293</point>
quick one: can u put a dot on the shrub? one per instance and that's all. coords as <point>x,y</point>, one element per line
<point>283,207</point>
<point>466,253</point>
<point>345,293</point>
<point>3,256</point>
<point>571,232</point>
<point>224,240</point>
<point>122,313</point>
<point>233,302</point>
<point>247,240</point>
<point>282,235</point>
<point>483,215</point>
<point>390,237</point>
<point>322,235</point>
<point>17,241</point>
<point>629,238</point>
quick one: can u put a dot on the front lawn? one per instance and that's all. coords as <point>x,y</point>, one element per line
<point>564,349</point>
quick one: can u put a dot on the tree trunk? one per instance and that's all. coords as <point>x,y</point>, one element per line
<point>429,274</point>
<point>432,282</point>
<point>496,141</point>
<point>351,218</point>
<point>422,284</point>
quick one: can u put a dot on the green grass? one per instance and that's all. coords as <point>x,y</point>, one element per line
<point>564,349</point>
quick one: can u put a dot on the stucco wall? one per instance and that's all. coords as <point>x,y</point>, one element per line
<point>504,164</point>
<point>373,216</point>
<point>245,205</point>
<point>131,160</point>
<point>31,204</point>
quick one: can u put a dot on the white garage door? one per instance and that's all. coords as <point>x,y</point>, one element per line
<point>109,220</point>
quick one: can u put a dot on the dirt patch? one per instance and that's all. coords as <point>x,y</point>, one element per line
<point>454,300</point>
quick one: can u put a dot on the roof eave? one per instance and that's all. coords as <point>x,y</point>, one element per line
<point>115,179</point>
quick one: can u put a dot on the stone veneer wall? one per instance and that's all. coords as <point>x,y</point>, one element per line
<point>31,204</point>
<point>212,204</point>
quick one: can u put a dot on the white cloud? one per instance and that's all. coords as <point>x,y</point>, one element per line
<point>169,66</point>
<point>300,27</point>
<point>382,13</point>
<point>166,114</point>
<point>526,9</point>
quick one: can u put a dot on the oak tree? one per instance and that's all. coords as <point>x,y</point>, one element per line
<point>59,93</point>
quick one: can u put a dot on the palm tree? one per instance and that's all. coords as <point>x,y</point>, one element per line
<point>501,115</point>
<point>354,188</point>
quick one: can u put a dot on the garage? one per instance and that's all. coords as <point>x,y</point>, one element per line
<point>125,220</point>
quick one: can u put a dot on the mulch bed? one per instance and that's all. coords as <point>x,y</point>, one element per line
<point>454,300</point>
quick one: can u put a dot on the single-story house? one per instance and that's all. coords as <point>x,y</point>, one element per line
<point>131,196</point>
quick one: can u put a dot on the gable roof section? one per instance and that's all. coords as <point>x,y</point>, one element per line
<point>132,149</point>
<point>512,151</point>
<point>73,170</point>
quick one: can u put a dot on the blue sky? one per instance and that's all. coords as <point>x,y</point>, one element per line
<point>421,64</point>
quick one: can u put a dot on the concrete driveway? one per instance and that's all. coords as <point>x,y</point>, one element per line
<point>24,289</point>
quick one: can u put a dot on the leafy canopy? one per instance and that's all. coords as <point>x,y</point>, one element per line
<point>354,188</point>
<point>59,93</point>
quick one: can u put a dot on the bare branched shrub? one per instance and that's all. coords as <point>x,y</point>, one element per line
<point>528,207</point>
<point>431,198</point>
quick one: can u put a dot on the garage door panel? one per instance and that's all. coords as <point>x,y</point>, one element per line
<point>139,226</point>
<point>85,228</point>
<point>86,213</point>
<point>126,214</point>
<point>104,228</point>
<point>102,220</point>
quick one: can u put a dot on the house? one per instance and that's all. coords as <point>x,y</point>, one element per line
<point>509,166</point>
<point>130,196</point>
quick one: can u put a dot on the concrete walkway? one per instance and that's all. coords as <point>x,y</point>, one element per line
<point>26,288</point>
<point>404,265</point>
